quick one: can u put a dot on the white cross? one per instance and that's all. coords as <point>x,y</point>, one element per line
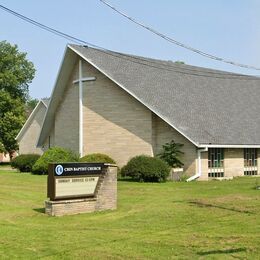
<point>80,81</point>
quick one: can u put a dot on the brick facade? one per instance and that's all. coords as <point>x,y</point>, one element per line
<point>233,163</point>
<point>66,129</point>
<point>114,122</point>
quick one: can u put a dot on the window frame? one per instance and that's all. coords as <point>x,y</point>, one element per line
<point>250,161</point>
<point>216,162</point>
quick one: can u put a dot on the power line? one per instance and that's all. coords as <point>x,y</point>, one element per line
<point>47,28</point>
<point>169,39</point>
<point>131,58</point>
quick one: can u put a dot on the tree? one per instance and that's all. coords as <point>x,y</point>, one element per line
<point>16,72</point>
<point>10,126</point>
<point>12,117</point>
<point>171,154</point>
<point>179,62</point>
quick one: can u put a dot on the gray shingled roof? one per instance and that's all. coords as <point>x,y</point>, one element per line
<point>207,106</point>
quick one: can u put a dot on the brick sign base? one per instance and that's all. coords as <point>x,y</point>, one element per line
<point>105,198</point>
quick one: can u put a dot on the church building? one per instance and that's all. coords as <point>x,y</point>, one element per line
<point>125,105</point>
<point>28,136</point>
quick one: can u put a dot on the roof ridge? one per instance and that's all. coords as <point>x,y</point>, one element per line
<point>173,65</point>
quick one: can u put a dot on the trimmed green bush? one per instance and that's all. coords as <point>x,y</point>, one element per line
<point>97,158</point>
<point>25,162</point>
<point>147,169</point>
<point>53,155</point>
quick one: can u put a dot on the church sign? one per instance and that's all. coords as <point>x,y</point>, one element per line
<point>74,180</point>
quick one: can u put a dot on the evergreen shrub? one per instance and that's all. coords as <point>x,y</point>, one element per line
<point>171,153</point>
<point>146,169</point>
<point>25,162</point>
<point>53,155</point>
<point>97,158</point>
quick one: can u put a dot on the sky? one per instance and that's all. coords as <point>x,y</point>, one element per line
<point>228,29</point>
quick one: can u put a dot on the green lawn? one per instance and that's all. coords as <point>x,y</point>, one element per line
<point>198,220</point>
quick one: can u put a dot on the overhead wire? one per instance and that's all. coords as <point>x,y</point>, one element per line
<point>134,59</point>
<point>169,39</point>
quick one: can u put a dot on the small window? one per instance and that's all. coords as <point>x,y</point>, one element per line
<point>216,162</point>
<point>250,161</point>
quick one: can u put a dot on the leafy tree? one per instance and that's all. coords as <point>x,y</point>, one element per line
<point>179,62</point>
<point>11,120</point>
<point>10,126</point>
<point>171,154</point>
<point>16,72</point>
<point>2,148</point>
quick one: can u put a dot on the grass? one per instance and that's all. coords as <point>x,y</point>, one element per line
<point>198,220</point>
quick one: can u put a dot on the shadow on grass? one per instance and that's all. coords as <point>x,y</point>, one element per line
<point>208,205</point>
<point>5,163</point>
<point>125,179</point>
<point>40,210</point>
<point>224,251</point>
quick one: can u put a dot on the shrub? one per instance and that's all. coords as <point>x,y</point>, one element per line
<point>25,162</point>
<point>171,154</point>
<point>98,158</point>
<point>53,155</point>
<point>146,168</point>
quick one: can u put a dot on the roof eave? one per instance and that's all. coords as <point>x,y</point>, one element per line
<point>229,146</point>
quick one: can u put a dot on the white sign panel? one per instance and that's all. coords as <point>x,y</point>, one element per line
<point>76,186</point>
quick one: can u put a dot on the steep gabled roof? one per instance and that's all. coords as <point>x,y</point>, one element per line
<point>45,103</point>
<point>208,107</point>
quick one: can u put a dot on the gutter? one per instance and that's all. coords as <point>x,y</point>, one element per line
<point>198,174</point>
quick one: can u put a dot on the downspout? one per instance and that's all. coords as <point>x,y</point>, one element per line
<point>80,111</point>
<point>198,174</point>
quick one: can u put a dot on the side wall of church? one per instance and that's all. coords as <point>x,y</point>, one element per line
<point>66,129</point>
<point>27,143</point>
<point>114,122</point>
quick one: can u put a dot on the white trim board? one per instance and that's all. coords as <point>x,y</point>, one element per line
<point>228,146</point>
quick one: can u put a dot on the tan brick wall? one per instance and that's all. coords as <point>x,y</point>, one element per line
<point>204,166</point>
<point>233,162</point>
<point>28,142</point>
<point>115,123</point>
<point>50,141</point>
<point>163,133</point>
<point>107,194</point>
<point>66,130</point>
